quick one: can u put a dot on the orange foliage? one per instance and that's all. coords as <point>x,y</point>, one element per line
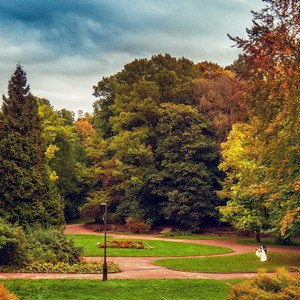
<point>85,129</point>
<point>6,295</point>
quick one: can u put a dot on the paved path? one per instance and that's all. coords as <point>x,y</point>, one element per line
<point>143,267</point>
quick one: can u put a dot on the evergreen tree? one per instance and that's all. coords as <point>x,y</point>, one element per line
<point>26,193</point>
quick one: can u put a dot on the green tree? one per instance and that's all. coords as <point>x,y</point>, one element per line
<point>26,192</point>
<point>65,156</point>
<point>124,151</point>
<point>187,159</point>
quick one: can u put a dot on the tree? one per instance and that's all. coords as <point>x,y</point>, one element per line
<point>245,186</point>
<point>271,55</point>
<point>126,151</point>
<point>186,159</point>
<point>65,156</point>
<point>271,71</point>
<point>172,78</point>
<point>26,192</point>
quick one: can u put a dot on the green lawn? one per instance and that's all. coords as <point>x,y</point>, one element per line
<point>230,264</point>
<point>173,289</point>
<point>268,242</point>
<point>199,237</point>
<point>160,248</point>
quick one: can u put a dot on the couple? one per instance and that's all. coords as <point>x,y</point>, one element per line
<point>261,252</point>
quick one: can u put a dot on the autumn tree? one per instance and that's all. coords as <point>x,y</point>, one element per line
<point>271,56</point>
<point>26,192</point>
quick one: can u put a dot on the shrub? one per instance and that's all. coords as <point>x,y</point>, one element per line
<point>6,295</point>
<point>50,245</point>
<point>19,247</point>
<point>282,285</point>
<point>13,244</point>
<point>136,226</point>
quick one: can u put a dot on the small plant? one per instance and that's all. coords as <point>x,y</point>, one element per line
<point>136,226</point>
<point>6,295</point>
<point>283,285</point>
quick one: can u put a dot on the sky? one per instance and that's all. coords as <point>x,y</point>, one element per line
<point>67,46</point>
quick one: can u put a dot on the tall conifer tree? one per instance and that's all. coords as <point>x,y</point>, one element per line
<point>26,192</point>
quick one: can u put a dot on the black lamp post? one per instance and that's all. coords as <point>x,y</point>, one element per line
<point>103,211</point>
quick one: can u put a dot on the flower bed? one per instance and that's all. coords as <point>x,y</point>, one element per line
<point>125,244</point>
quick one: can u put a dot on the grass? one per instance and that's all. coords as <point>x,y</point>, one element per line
<point>165,289</point>
<point>267,242</point>
<point>198,237</point>
<point>160,248</point>
<point>81,221</point>
<point>247,262</point>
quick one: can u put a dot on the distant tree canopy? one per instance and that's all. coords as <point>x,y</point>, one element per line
<point>27,194</point>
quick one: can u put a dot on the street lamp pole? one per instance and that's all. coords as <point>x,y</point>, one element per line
<point>103,211</point>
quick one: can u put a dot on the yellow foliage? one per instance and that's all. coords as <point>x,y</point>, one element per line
<point>53,176</point>
<point>50,152</point>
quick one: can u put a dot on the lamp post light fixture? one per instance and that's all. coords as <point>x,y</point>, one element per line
<point>103,211</point>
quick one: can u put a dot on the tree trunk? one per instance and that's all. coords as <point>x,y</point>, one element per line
<point>257,236</point>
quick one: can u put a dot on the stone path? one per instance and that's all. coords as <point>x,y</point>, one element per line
<point>143,267</point>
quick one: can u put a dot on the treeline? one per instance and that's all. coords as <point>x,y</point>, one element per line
<point>150,150</point>
<point>169,141</point>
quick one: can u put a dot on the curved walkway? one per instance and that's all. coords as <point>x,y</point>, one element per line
<point>143,267</point>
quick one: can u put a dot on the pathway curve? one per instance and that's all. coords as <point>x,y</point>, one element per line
<point>143,267</point>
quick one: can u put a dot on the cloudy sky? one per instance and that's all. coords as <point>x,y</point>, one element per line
<point>67,46</point>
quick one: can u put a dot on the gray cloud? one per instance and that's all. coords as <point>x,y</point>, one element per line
<point>68,46</point>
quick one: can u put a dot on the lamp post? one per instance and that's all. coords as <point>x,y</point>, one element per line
<point>103,211</point>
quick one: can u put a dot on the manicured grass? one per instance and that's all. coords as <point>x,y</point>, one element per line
<point>232,264</point>
<point>199,237</point>
<point>267,242</point>
<point>173,289</point>
<point>160,248</point>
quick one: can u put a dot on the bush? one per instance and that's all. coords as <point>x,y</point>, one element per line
<point>13,244</point>
<point>6,295</point>
<point>19,247</point>
<point>282,285</point>
<point>50,245</point>
<point>136,226</point>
